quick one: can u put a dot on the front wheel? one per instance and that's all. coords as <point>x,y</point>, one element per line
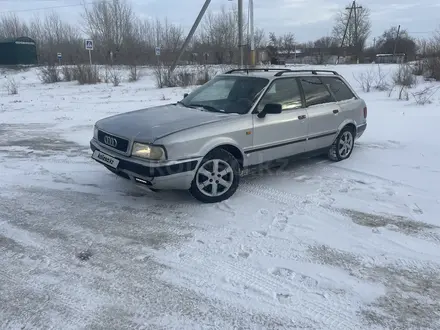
<point>342,147</point>
<point>217,177</point>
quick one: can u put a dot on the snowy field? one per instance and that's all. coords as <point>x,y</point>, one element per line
<point>318,245</point>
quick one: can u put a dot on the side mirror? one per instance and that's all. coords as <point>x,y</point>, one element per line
<point>270,108</point>
<point>185,95</point>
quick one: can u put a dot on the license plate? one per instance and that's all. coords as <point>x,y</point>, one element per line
<point>105,159</point>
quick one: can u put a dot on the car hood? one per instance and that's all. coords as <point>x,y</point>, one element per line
<point>150,124</point>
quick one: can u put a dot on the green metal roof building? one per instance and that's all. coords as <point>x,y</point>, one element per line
<point>19,51</point>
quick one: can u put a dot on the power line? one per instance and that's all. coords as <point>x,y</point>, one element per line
<point>45,8</point>
<point>421,32</point>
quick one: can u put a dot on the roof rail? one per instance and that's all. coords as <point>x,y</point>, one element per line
<point>278,74</point>
<point>247,70</point>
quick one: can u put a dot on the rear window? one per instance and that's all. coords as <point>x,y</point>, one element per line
<point>315,91</point>
<point>339,88</point>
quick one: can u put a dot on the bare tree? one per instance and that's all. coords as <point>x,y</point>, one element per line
<point>362,22</point>
<point>325,42</point>
<point>220,34</point>
<point>285,43</point>
<point>400,40</point>
<point>110,24</point>
<point>259,38</point>
<point>422,46</point>
<point>289,44</point>
<point>433,57</point>
<point>12,27</point>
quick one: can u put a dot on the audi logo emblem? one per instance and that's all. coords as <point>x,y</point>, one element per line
<point>112,142</point>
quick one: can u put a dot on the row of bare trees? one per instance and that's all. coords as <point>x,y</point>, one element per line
<point>121,37</point>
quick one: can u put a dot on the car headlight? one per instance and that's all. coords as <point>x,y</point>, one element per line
<point>95,132</point>
<point>148,151</point>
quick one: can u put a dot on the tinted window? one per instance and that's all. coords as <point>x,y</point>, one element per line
<point>339,88</point>
<point>285,92</point>
<point>315,91</point>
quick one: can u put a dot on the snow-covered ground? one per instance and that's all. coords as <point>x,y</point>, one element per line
<point>317,245</point>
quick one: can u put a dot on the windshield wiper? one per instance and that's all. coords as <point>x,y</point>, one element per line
<point>206,107</point>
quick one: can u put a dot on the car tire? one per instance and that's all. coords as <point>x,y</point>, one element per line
<point>217,177</point>
<point>343,145</point>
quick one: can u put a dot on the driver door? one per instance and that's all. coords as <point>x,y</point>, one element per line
<point>280,135</point>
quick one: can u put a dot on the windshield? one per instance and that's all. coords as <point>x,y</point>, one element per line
<point>227,94</point>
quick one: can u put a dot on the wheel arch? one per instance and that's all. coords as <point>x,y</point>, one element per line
<point>234,151</point>
<point>228,145</point>
<point>347,123</point>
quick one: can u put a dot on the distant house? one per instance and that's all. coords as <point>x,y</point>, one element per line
<point>19,51</point>
<point>390,58</point>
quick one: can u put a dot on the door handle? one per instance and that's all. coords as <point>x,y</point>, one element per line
<point>335,111</point>
<point>302,117</point>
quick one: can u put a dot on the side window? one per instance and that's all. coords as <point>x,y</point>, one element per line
<point>285,92</point>
<point>315,91</point>
<point>339,88</point>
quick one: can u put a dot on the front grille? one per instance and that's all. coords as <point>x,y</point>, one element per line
<point>113,141</point>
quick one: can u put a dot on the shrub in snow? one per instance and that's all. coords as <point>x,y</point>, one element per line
<point>11,86</point>
<point>419,68</point>
<point>115,77</point>
<point>163,77</point>
<point>381,82</point>
<point>424,96</point>
<point>134,74</point>
<point>205,75</point>
<point>181,77</point>
<point>404,79</point>
<point>404,76</point>
<point>376,79</point>
<point>87,74</point>
<point>49,74</point>
<point>68,73</point>
<point>365,79</point>
<point>433,68</point>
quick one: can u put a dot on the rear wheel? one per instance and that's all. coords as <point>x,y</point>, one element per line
<point>343,146</point>
<point>217,177</point>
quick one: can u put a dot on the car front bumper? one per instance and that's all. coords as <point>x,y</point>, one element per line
<point>165,175</point>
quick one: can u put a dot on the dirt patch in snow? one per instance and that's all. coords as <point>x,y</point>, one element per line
<point>24,141</point>
<point>412,300</point>
<point>397,223</point>
<point>403,224</point>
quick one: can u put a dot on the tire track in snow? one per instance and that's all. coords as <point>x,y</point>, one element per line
<point>289,296</point>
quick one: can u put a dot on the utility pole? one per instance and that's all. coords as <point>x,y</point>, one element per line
<point>356,45</point>
<point>395,43</point>
<point>252,34</point>
<point>346,29</point>
<point>356,39</point>
<point>240,30</point>
<point>190,34</point>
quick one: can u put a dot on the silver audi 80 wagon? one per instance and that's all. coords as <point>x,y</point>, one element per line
<point>240,119</point>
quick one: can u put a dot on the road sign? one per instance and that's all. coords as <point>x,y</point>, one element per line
<point>157,51</point>
<point>89,44</point>
<point>59,56</point>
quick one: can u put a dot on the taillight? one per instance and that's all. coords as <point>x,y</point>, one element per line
<point>365,112</point>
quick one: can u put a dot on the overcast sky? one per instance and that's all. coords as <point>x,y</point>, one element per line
<point>308,20</point>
